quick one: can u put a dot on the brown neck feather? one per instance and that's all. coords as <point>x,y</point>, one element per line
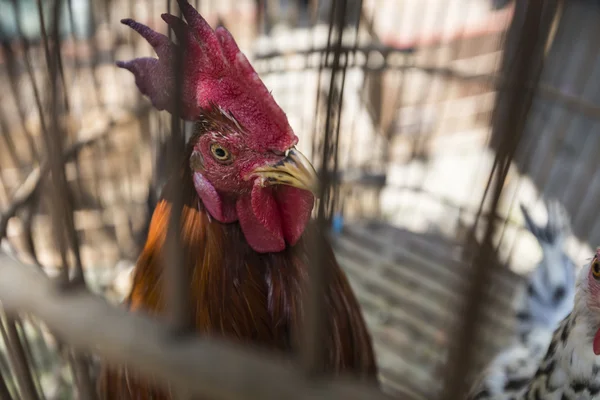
<point>236,291</point>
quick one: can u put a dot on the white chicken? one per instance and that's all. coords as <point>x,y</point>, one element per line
<point>542,362</point>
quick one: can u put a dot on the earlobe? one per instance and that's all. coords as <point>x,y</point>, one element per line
<point>216,207</point>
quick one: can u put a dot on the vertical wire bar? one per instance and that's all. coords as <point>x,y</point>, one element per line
<point>18,359</point>
<point>526,145</point>
<point>54,150</point>
<point>28,218</point>
<point>336,189</point>
<point>29,68</point>
<point>315,318</point>
<point>10,144</point>
<point>53,142</point>
<point>553,17</point>
<point>4,125</point>
<point>48,54</point>
<point>79,363</point>
<point>4,392</point>
<point>13,80</point>
<point>177,277</point>
<point>62,215</point>
<point>322,65</point>
<point>5,363</point>
<point>17,348</point>
<point>30,211</point>
<point>29,356</point>
<point>510,118</point>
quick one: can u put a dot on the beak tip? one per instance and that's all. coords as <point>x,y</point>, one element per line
<point>295,171</point>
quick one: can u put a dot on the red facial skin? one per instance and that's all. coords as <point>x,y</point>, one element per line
<point>270,216</point>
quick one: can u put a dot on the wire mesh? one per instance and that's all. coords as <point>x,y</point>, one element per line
<point>412,114</point>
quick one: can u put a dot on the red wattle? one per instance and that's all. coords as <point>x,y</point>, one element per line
<point>597,343</point>
<point>295,207</point>
<point>260,221</point>
<point>272,216</point>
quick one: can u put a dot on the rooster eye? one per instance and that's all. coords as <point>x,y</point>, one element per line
<point>219,152</point>
<point>596,268</point>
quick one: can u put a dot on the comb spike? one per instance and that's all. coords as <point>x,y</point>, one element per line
<point>142,68</point>
<point>180,29</point>
<point>202,29</point>
<point>159,42</point>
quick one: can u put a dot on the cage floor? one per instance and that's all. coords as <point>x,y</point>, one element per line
<point>410,287</point>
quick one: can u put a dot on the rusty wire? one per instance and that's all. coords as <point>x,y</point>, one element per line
<point>335,191</point>
<point>315,318</point>
<point>177,278</point>
<point>323,63</point>
<point>18,358</point>
<point>63,222</point>
<point>54,139</point>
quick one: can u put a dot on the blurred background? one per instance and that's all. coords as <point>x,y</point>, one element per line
<point>410,102</point>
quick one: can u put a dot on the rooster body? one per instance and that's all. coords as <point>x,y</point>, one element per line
<point>241,295</point>
<point>245,223</point>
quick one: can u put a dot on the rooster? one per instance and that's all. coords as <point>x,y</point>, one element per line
<point>248,194</point>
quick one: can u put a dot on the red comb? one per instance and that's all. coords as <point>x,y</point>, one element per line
<point>215,72</point>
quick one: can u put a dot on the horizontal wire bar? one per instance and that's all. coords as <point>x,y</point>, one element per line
<point>204,367</point>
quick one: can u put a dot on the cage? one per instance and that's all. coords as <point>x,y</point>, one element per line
<point>428,122</point>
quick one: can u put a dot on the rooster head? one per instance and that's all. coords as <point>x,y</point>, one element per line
<point>243,161</point>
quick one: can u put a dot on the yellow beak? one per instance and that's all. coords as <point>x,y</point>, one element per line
<point>294,170</point>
